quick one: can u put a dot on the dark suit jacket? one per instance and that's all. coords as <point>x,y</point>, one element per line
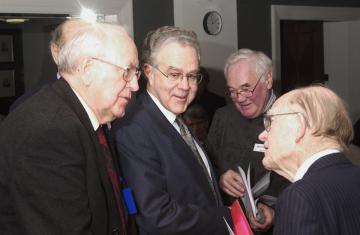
<point>52,174</point>
<point>324,201</point>
<point>171,190</point>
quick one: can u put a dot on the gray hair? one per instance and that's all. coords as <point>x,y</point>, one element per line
<point>93,40</point>
<point>156,39</point>
<point>324,111</point>
<point>261,62</point>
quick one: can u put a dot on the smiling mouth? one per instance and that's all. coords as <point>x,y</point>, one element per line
<point>182,98</point>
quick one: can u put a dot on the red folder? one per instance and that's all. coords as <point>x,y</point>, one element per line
<point>241,225</point>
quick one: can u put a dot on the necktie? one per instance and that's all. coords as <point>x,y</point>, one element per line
<point>186,135</point>
<point>113,176</point>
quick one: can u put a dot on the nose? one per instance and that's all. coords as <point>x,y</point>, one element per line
<point>263,136</point>
<point>133,85</point>
<point>239,98</point>
<point>184,83</point>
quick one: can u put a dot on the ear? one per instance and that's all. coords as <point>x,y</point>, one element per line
<point>269,80</point>
<point>54,53</point>
<point>149,73</point>
<point>84,69</point>
<point>301,129</point>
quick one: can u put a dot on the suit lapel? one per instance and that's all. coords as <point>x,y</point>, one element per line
<point>64,91</point>
<point>180,145</point>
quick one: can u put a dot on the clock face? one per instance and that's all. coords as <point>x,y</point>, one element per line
<point>212,23</point>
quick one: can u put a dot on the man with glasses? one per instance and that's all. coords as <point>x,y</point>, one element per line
<point>232,139</point>
<point>306,139</point>
<point>57,172</point>
<point>172,179</point>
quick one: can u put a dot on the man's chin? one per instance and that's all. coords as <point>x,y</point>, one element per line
<point>247,113</point>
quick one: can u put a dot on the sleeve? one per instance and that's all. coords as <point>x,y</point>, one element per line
<point>159,211</point>
<point>213,142</point>
<point>49,185</point>
<point>296,215</point>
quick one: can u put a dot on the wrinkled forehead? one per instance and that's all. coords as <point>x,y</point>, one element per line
<point>282,105</point>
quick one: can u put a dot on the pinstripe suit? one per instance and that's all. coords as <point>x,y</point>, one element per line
<point>324,201</point>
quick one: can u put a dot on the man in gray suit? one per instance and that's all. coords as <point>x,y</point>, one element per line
<point>56,176</point>
<point>307,133</point>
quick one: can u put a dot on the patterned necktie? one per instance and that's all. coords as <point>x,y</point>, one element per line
<point>186,135</point>
<point>113,176</point>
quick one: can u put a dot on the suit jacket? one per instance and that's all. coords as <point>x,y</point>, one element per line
<point>324,201</point>
<point>52,174</point>
<point>171,190</point>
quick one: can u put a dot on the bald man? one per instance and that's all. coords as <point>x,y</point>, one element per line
<point>57,172</point>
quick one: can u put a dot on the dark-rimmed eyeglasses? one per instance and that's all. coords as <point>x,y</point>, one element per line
<point>268,117</point>
<point>129,72</point>
<point>176,76</point>
<point>243,93</point>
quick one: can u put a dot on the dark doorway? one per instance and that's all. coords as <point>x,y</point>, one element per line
<point>302,53</point>
<point>25,59</point>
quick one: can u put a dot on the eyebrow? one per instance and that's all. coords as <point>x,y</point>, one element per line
<point>178,69</point>
<point>242,86</point>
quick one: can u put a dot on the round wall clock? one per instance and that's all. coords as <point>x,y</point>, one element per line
<point>212,23</point>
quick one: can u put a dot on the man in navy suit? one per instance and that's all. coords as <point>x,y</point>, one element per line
<point>306,135</point>
<point>55,177</point>
<point>173,181</point>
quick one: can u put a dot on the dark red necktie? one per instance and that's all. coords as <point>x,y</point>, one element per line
<point>113,176</point>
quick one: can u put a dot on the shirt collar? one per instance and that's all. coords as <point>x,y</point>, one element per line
<point>95,123</point>
<point>270,101</point>
<point>308,162</point>
<point>169,115</point>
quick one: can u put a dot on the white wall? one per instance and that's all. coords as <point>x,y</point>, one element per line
<point>37,61</point>
<point>121,8</point>
<point>342,61</point>
<point>215,49</point>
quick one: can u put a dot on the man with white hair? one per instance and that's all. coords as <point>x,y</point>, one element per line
<point>57,172</point>
<point>232,139</point>
<point>307,132</point>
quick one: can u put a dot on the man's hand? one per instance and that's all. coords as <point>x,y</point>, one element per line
<point>268,215</point>
<point>232,183</point>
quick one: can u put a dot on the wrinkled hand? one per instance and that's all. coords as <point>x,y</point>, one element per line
<point>268,215</point>
<point>232,184</point>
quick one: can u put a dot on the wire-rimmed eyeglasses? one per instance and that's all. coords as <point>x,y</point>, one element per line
<point>129,72</point>
<point>176,76</point>
<point>243,93</point>
<point>267,119</point>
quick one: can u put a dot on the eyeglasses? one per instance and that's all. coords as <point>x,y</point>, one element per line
<point>176,76</point>
<point>267,119</point>
<point>243,93</point>
<point>128,74</point>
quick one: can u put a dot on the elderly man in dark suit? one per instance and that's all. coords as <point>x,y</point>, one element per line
<point>173,181</point>
<point>306,135</point>
<point>57,174</point>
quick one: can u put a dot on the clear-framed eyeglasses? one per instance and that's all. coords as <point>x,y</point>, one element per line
<point>268,118</point>
<point>177,76</point>
<point>244,93</point>
<point>129,72</point>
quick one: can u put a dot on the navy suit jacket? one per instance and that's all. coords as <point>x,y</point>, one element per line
<point>325,201</point>
<point>52,174</point>
<point>171,189</point>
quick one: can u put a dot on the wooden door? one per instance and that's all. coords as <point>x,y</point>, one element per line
<point>302,54</point>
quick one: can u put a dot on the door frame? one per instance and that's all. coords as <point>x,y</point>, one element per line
<point>282,12</point>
